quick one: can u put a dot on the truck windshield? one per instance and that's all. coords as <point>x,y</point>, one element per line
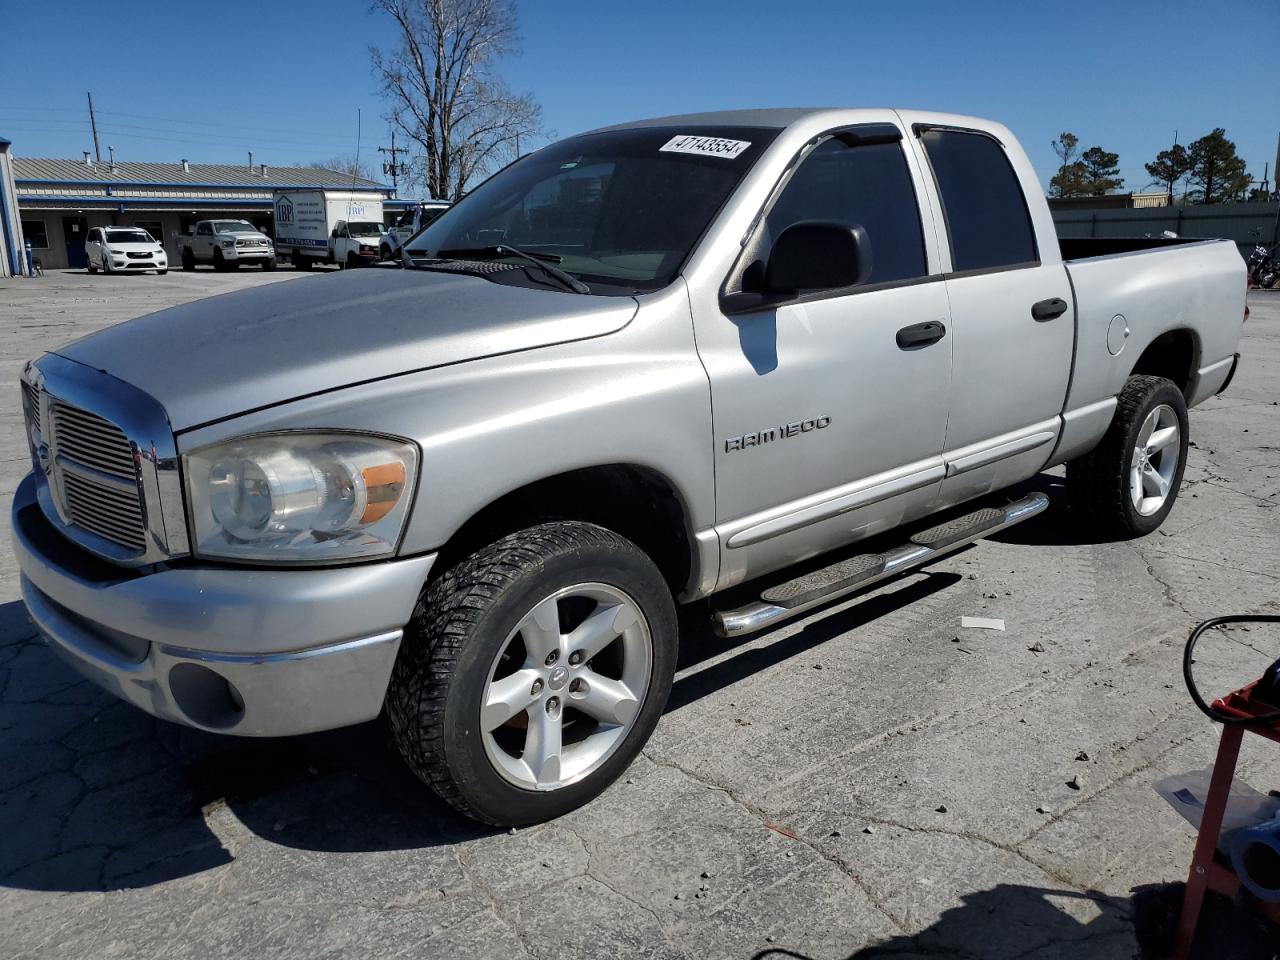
<point>232,226</point>
<point>129,236</point>
<point>365,228</point>
<point>622,208</point>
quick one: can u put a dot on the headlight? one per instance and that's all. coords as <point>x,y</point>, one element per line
<point>300,497</point>
<point>228,243</point>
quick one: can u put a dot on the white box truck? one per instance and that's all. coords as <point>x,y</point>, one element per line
<point>308,223</point>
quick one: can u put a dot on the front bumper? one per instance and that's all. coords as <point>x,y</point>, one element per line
<point>248,253</point>
<point>251,652</point>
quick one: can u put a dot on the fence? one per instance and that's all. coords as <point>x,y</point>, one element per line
<point>1245,223</point>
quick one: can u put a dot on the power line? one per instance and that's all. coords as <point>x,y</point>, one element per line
<point>212,140</point>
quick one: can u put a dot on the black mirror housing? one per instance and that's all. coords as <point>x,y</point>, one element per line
<point>818,255</point>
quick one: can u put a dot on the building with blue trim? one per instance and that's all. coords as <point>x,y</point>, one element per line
<point>60,201</point>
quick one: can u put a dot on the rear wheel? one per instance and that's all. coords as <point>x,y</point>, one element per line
<point>533,672</point>
<point>188,259</point>
<point>1127,485</point>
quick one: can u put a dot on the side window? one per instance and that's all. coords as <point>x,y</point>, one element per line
<point>204,230</point>
<point>986,213</point>
<point>868,185</point>
<point>154,228</point>
<point>36,234</point>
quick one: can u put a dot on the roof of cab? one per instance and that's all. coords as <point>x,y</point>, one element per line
<point>776,117</point>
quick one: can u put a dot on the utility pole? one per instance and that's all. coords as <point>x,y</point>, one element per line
<point>93,122</point>
<point>392,167</point>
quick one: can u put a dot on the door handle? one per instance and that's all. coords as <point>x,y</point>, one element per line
<point>920,335</point>
<point>1048,309</point>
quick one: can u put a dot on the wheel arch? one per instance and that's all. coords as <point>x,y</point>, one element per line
<point>636,502</point>
<point>1174,355</point>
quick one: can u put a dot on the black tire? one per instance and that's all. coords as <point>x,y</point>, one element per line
<point>460,625</point>
<point>92,268</point>
<point>161,273</point>
<point>384,253</point>
<point>219,261</point>
<point>1099,482</point>
<point>352,261</point>
<point>269,264</point>
<point>301,263</point>
<point>188,259</point>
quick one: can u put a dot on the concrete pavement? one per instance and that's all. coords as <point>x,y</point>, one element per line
<point>872,781</point>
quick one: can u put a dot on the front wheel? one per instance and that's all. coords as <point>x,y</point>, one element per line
<point>162,272</point>
<point>533,672</point>
<point>269,264</point>
<point>1127,484</point>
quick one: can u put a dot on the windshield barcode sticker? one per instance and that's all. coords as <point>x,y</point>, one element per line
<point>705,146</point>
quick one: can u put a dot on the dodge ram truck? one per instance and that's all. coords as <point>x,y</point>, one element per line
<point>631,370</point>
<point>226,244</point>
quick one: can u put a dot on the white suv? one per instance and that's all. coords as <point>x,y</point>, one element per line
<point>124,248</point>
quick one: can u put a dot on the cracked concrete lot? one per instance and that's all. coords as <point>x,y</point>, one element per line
<point>872,781</point>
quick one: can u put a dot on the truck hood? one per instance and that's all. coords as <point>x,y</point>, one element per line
<point>226,355</point>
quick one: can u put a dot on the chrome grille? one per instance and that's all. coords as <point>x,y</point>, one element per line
<point>88,439</point>
<point>105,465</point>
<point>31,405</point>
<point>96,476</point>
<point>113,514</point>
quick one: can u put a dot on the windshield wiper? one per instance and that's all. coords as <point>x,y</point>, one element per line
<point>543,261</point>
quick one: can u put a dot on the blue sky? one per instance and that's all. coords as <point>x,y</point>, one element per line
<point>285,80</point>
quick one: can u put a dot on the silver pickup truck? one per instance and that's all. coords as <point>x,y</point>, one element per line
<point>631,370</point>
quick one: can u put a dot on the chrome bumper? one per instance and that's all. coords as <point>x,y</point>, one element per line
<point>241,651</point>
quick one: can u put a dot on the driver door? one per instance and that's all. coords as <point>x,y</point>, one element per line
<point>826,429</point>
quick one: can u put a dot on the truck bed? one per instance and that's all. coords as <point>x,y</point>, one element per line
<point>1083,248</point>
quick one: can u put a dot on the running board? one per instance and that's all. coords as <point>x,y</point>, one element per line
<point>821,586</point>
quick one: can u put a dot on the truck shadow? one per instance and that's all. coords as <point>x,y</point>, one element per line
<point>1014,920</point>
<point>95,795</point>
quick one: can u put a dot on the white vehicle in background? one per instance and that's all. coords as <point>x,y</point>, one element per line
<point>415,218</point>
<point>226,244</point>
<point>306,221</point>
<point>124,248</point>
<point>355,243</point>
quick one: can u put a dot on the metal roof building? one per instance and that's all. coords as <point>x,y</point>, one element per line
<point>12,255</point>
<point>61,200</point>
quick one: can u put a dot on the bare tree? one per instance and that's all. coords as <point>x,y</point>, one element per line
<point>444,93</point>
<point>346,164</point>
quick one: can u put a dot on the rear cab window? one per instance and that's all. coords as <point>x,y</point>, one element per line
<point>988,222</point>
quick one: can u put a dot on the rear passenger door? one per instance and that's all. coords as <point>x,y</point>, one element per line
<point>203,245</point>
<point>93,247</point>
<point>1012,322</point>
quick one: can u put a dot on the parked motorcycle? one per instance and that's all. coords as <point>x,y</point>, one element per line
<point>1264,270</point>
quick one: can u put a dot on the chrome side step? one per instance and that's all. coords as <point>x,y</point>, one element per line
<point>796,596</point>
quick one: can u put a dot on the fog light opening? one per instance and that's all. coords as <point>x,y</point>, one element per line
<point>206,697</point>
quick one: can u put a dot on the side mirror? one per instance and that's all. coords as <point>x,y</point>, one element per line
<point>818,255</point>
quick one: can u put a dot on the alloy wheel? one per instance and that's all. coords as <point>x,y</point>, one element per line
<point>1155,460</point>
<point>566,686</point>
